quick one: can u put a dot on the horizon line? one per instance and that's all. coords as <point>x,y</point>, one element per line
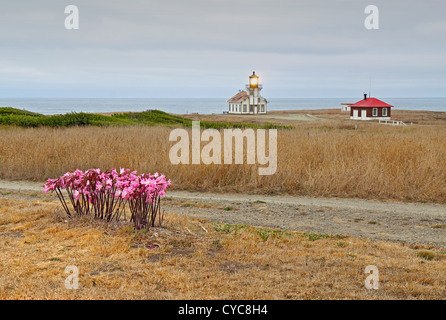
<point>111,98</point>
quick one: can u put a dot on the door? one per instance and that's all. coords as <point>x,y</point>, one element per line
<point>363,114</point>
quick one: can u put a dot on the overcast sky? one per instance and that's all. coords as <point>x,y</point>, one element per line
<point>208,48</point>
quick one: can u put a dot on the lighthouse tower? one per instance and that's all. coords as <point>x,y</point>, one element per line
<point>249,101</point>
<point>253,89</point>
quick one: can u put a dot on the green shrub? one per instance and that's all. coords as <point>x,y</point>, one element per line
<point>426,255</point>
<point>27,119</point>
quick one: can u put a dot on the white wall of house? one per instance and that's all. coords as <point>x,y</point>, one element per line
<point>262,105</point>
<point>369,118</point>
<point>235,107</point>
<point>345,107</point>
<point>362,115</point>
<point>243,107</point>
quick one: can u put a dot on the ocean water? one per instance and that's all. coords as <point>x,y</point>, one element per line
<point>202,106</point>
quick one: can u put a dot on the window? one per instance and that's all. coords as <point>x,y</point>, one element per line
<point>262,108</point>
<point>384,112</point>
<point>375,112</point>
<point>245,108</point>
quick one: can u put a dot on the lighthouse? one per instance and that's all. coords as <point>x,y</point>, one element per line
<point>249,101</point>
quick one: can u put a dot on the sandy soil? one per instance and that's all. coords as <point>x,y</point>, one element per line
<point>400,222</point>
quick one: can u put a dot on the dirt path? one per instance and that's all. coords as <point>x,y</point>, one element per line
<point>402,222</point>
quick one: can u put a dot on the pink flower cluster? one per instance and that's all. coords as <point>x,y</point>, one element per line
<point>123,184</point>
<point>105,194</point>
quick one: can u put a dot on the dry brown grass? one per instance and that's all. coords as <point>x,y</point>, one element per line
<point>193,259</point>
<point>325,158</point>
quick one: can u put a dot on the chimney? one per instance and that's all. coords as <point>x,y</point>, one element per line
<point>365,96</point>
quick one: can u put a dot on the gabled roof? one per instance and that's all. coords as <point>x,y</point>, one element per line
<point>371,102</point>
<point>239,97</point>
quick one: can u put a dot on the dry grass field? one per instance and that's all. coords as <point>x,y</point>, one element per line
<point>320,158</point>
<point>196,259</point>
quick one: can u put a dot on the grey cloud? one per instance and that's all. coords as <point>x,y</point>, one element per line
<point>301,48</point>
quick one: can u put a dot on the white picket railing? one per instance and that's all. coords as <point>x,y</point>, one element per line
<point>392,122</point>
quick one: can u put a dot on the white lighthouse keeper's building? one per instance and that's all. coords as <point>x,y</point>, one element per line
<point>249,101</point>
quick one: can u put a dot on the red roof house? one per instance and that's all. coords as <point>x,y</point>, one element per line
<point>370,109</point>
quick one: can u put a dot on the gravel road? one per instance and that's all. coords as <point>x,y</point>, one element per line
<point>400,222</point>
